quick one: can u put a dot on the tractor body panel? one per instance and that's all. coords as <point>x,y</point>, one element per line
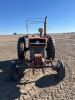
<point>36,46</point>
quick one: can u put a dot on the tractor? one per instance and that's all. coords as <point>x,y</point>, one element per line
<point>41,54</point>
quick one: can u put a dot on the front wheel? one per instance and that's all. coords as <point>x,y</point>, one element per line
<point>14,72</point>
<point>60,69</point>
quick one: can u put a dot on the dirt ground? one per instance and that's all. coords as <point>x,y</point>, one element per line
<point>39,86</point>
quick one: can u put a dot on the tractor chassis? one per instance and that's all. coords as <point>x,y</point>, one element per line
<point>19,66</point>
<point>32,65</point>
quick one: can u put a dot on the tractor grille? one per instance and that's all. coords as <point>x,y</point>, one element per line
<point>36,45</point>
<point>34,51</point>
<point>37,42</point>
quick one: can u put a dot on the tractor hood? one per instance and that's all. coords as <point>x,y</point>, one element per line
<point>37,41</point>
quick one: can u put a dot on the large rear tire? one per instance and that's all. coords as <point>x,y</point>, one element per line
<point>20,48</point>
<point>50,49</point>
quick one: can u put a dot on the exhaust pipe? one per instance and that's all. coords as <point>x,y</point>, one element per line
<point>45,26</point>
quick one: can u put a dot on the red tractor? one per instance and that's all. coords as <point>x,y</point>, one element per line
<point>41,54</point>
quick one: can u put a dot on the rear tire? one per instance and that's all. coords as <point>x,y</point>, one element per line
<point>20,48</point>
<point>50,49</point>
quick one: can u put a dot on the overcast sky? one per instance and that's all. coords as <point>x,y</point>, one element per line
<point>60,15</point>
